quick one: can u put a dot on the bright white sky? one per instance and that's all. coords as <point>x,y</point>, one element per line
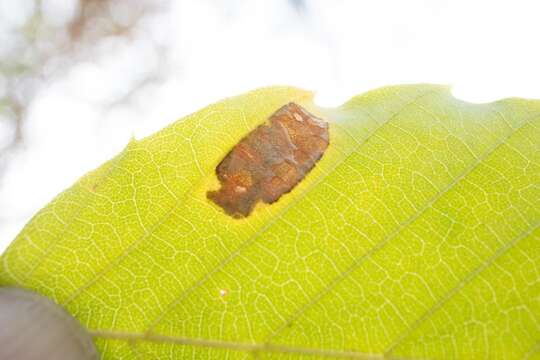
<point>484,49</point>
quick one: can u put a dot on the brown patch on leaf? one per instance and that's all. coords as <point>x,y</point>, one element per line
<point>270,160</point>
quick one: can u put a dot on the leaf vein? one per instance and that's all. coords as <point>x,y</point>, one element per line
<point>460,285</point>
<point>255,236</point>
<point>359,261</point>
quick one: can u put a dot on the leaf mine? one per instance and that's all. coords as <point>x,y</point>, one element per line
<point>270,161</point>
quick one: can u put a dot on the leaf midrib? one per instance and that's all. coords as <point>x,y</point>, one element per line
<point>410,329</point>
<point>264,346</point>
<point>134,338</point>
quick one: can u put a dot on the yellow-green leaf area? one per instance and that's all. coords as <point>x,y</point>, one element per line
<point>415,236</point>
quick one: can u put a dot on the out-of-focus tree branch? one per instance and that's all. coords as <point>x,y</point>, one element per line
<point>54,36</point>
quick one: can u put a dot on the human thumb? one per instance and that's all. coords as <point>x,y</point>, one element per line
<point>34,327</point>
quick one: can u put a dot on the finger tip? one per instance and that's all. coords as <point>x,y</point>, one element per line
<point>34,327</point>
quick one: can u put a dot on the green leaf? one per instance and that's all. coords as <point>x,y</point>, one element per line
<point>415,236</point>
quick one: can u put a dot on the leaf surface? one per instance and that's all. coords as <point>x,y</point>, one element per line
<point>415,236</point>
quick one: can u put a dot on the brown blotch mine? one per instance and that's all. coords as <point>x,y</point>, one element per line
<point>270,160</point>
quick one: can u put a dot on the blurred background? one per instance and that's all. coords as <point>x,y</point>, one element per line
<point>79,78</point>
